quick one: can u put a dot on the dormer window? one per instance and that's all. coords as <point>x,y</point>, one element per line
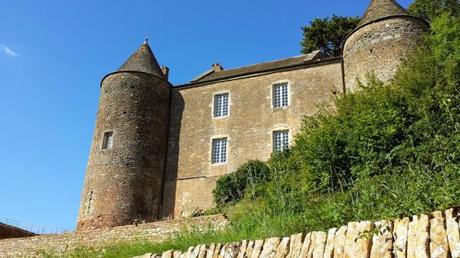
<point>107,141</point>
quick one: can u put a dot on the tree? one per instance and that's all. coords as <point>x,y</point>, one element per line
<point>429,9</point>
<point>327,34</point>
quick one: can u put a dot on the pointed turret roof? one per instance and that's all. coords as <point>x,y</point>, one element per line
<point>143,60</point>
<point>379,9</point>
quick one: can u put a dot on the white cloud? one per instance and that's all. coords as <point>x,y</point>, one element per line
<point>8,51</point>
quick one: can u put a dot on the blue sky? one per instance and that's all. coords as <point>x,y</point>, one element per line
<point>53,55</point>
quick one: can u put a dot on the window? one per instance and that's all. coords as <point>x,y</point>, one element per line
<point>280,95</point>
<point>107,142</point>
<point>221,105</point>
<point>219,150</point>
<point>89,203</point>
<point>280,140</point>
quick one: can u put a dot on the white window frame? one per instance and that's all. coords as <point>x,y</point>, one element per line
<point>284,145</point>
<point>213,151</point>
<point>288,94</point>
<point>214,98</point>
<point>106,136</point>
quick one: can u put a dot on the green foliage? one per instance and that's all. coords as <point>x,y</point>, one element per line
<point>385,151</point>
<point>327,34</point>
<point>233,187</point>
<point>430,9</point>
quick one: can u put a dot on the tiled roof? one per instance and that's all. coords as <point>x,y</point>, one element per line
<point>379,9</point>
<point>143,60</point>
<point>212,75</point>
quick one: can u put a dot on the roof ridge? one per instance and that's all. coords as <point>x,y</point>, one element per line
<point>259,67</point>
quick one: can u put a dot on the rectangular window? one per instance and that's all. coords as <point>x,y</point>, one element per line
<point>280,95</point>
<point>280,140</point>
<point>219,150</point>
<point>107,142</point>
<point>221,105</point>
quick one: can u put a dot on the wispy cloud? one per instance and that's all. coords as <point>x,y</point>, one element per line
<point>8,51</point>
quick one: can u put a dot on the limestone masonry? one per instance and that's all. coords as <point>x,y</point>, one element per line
<point>435,235</point>
<point>158,149</point>
<point>58,244</point>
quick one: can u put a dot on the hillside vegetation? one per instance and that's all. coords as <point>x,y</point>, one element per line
<point>385,151</point>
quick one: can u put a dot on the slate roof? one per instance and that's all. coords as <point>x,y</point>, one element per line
<point>143,60</point>
<point>212,75</point>
<point>379,9</point>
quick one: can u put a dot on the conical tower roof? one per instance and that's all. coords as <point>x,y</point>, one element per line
<point>143,60</point>
<point>379,9</point>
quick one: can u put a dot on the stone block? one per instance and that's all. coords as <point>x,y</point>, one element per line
<point>167,254</point>
<point>243,248</point>
<point>258,244</point>
<point>295,245</point>
<point>382,240</point>
<point>418,242</point>
<point>453,235</point>
<point>249,248</point>
<point>400,236</point>
<point>319,244</point>
<point>329,249</point>
<point>202,251</point>
<point>340,239</point>
<point>307,244</point>
<point>270,247</point>
<point>283,248</point>
<point>439,246</point>
<point>177,254</point>
<point>358,243</point>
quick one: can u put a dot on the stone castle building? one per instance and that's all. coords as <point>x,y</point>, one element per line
<point>158,149</point>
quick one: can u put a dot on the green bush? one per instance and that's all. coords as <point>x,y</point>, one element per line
<point>385,151</point>
<point>233,187</point>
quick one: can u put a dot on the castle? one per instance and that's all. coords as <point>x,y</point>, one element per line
<point>158,149</point>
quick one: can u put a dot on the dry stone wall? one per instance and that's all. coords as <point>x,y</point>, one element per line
<point>435,235</point>
<point>61,243</point>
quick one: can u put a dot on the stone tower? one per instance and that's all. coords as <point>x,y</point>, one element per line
<point>124,177</point>
<point>383,38</point>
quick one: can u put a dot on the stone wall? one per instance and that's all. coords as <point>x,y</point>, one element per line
<point>191,176</point>
<point>435,235</point>
<point>124,183</point>
<point>379,47</point>
<point>60,243</point>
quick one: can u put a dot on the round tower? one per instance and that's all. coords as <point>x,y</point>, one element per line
<point>383,38</point>
<point>125,171</point>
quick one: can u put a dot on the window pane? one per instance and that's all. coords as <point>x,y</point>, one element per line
<point>107,141</point>
<point>221,105</point>
<point>280,95</point>
<point>280,140</point>
<point>219,150</point>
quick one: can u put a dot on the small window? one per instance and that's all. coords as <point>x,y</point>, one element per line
<point>280,95</point>
<point>107,142</point>
<point>219,150</point>
<point>89,203</point>
<point>221,105</point>
<point>280,140</point>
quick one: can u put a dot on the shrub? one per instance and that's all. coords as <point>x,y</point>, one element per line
<point>383,152</point>
<point>233,187</point>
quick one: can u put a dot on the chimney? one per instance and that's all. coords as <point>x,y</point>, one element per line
<point>217,67</point>
<point>165,71</point>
